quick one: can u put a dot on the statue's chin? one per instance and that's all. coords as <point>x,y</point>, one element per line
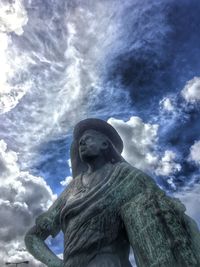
<point>85,157</point>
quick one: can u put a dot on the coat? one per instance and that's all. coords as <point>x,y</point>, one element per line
<point>128,203</point>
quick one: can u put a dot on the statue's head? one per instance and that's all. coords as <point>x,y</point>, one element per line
<point>94,138</point>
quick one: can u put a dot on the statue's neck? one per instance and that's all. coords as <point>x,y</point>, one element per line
<point>95,175</point>
<point>95,164</point>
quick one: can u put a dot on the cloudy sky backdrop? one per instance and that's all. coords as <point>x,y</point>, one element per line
<point>133,63</point>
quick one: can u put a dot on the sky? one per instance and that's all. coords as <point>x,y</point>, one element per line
<point>133,63</point>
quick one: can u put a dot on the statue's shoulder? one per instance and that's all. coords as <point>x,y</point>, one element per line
<point>59,202</point>
<point>127,167</point>
<point>135,174</point>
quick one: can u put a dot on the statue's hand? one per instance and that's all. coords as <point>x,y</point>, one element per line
<point>44,222</point>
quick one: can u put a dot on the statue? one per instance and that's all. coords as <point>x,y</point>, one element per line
<point>110,206</point>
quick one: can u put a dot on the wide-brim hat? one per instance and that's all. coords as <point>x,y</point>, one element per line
<point>92,124</point>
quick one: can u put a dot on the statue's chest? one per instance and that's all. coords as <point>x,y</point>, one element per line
<point>83,185</point>
<point>96,212</point>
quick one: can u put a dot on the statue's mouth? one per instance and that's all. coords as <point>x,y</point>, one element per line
<point>83,149</point>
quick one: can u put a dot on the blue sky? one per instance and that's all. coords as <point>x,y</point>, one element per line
<point>133,63</point>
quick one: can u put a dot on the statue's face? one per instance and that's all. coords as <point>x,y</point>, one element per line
<point>91,145</point>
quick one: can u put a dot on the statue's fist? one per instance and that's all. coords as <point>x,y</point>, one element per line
<point>44,222</point>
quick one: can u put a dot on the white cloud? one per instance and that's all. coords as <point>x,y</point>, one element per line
<point>140,145</point>
<point>69,163</point>
<point>23,197</point>
<point>191,91</point>
<point>13,17</point>
<point>66,181</point>
<point>14,252</point>
<point>166,104</point>
<point>190,198</point>
<point>139,139</point>
<point>195,152</point>
<point>167,164</point>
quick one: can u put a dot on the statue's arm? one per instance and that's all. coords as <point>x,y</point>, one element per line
<point>46,224</point>
<point>157,228</point>
<point>35,243</point>
<point>145,233</point>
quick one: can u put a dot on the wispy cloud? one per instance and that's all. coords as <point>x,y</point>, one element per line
<point>13,17</point>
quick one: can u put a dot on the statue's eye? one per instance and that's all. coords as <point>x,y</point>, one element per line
<point>81,142</point>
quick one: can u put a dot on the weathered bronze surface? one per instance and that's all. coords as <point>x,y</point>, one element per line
<point>110,206</point>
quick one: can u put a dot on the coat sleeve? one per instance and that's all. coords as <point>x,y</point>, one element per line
<point>159,232</point>
<point>46,224</point>
<point>49,221</point>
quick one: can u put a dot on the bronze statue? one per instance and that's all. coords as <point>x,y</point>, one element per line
<point>110,206</point>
